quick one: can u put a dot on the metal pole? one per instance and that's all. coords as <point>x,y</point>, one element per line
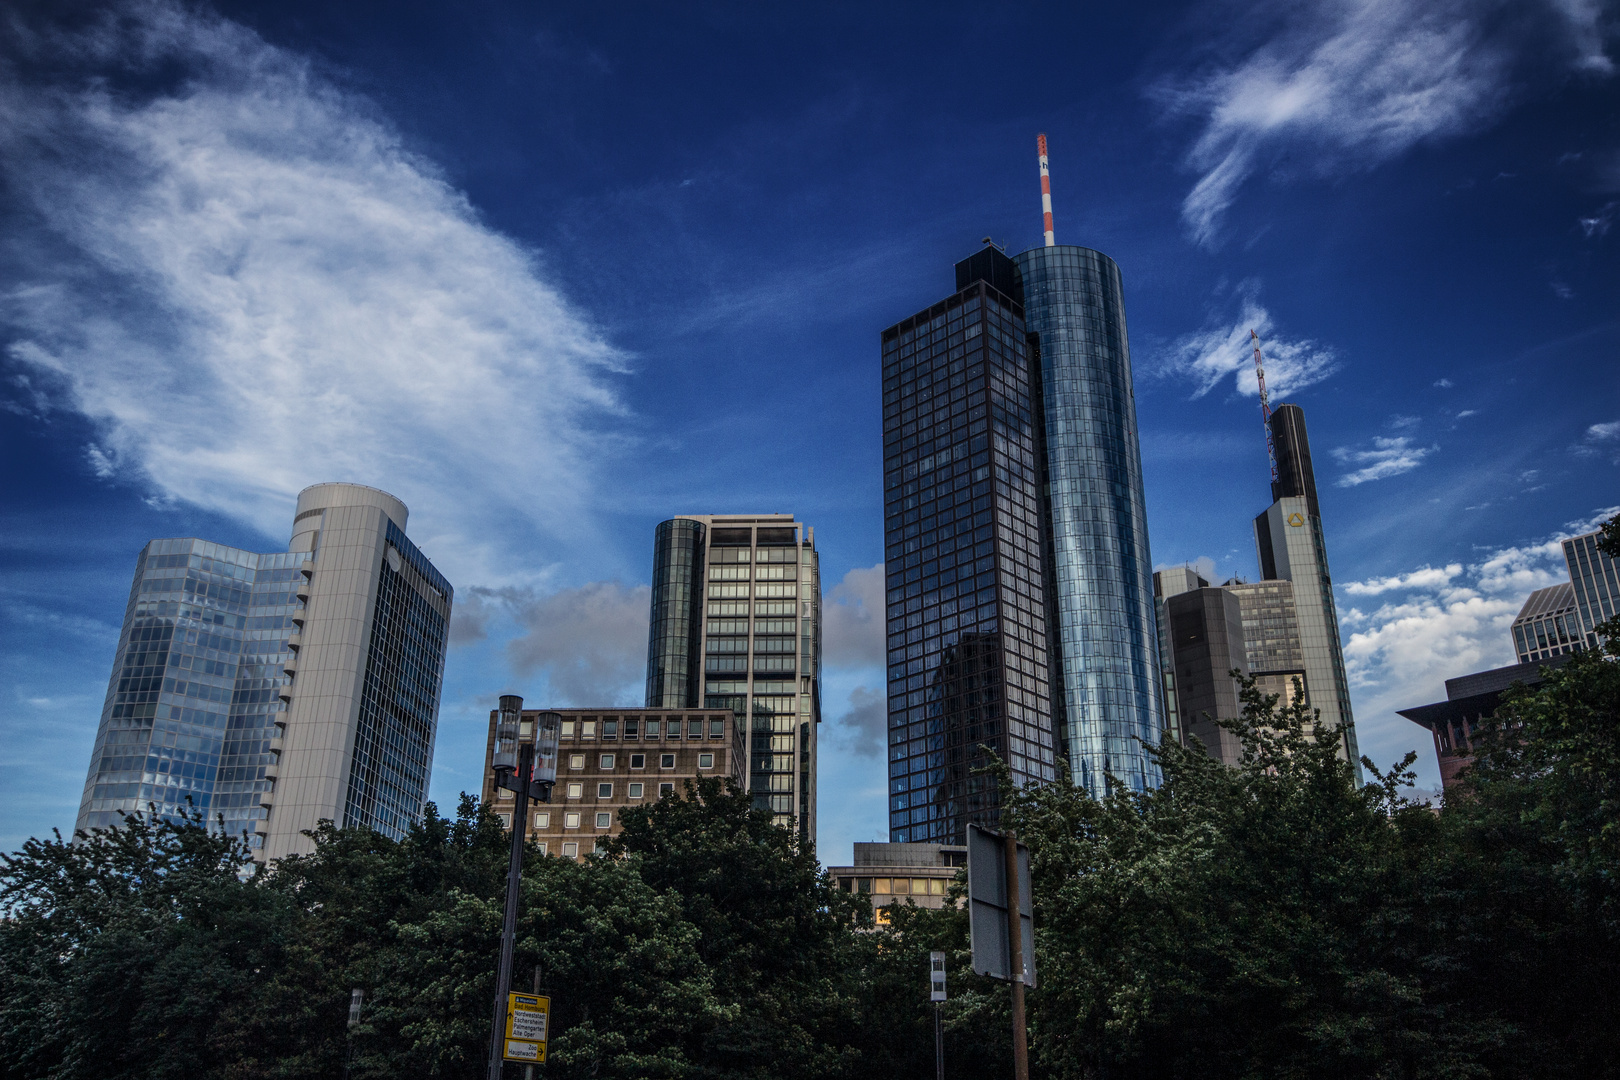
<point>939,1042</point>
<point>528,1070</point>
<point>514,882</point>
<point>1015,945</point>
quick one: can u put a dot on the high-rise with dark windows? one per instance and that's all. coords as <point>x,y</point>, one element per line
<point>277,690</point>
<point>1019,591</point>
<point>736,624</point>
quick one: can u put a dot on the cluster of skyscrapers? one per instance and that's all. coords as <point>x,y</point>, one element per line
<point>1023,618</point>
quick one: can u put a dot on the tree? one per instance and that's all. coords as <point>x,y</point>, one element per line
<point>1267,919</point>
<point>119,953</point>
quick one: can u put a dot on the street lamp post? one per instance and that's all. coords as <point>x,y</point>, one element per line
<point>528,768</point>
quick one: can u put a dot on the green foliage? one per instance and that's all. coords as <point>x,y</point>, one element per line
<point>1273,919</point>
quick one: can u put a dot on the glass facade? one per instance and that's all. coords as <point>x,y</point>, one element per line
<point>193,700</point>
<point>399,704</point>
<point>1107,691</point>
<point>235,689</point>
<point>1596,582</point>
<point>1547,625</point>
<point>675,641</point>
<point>968,670</point>
<point>736,625</point>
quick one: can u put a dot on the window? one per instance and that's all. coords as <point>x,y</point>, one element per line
<point>694,729</point>
<point>568,729</point>
<point>881,916</point>
<point>542,846</point>
<point>638,761</point>
<point>576,790</point>
<point>576,761</point>
<point>879,885</point>
<point>610,729</point>
<point>604,791</point>
<point>705,761</point>
<point>666,761</point>
<point>506,820</point>
<point>604,821</point>
<point>587,729</point>
<point>717,728</point>
<point>571,820</point>
<point>635,791</point>
<point>543,821</point>
<point>503,793</point>
<point>570,851</point>
<point>630,728</point>
<point>652,729</point>
<point>665,789</point>
<point>607,761</point>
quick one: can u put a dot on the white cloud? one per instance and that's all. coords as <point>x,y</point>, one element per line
<point>1388,457</point>
<point>249,283</point>
<point>853,629</point>
<point>1425,577</point>
<point>1599,223</point>
<point>1603,432</point>
<point>1209,356</point>
<point>1343,85</point>
<point>1444,384</point>
<point>589,642</point>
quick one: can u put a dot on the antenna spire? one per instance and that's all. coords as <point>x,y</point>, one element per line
<point>1265,403</point>
<point>1046,190</point>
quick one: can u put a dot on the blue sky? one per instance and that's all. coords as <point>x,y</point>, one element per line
<point>553,274</point>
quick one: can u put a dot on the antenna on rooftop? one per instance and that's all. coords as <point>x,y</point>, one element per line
<point>1046,190</point>
<point>1265,403</point>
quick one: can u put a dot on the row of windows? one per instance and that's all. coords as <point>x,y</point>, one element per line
<point>895,886</point>
<point>636,728</point>
<point>637,761</point>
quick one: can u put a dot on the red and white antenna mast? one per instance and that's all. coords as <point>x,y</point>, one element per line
<point>1265,403</point>
<point>1046,190</point>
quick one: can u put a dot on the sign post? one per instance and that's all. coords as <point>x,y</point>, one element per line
<point>529,769</point>
<point>1001,923</point>
<point>527,1018</point>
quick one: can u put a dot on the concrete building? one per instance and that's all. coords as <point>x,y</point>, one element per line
<point>1291,546</point>
<point>277,690</point>
<point>1548,625</point>
<point>1019,598</point>
<point>609,759</point>
<point>736,624</point>
<point>1203,632</point>
<point>900,873</point>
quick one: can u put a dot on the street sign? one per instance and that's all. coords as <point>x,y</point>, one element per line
<point>936,976</point>
<point>987,906</point>
<point>527,1018</point>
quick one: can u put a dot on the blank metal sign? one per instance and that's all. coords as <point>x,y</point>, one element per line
<point>987,906</point>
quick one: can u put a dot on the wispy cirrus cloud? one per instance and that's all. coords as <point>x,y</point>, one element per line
<point>1389,456</point>
<point>249,283</point>
<point>1339,86</point>
<point>1208,356</point>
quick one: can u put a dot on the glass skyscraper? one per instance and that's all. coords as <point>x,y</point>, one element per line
<point>1019,593</point>
<point>277,690</point>
<point>736,624</point>
<point>1595,581</point>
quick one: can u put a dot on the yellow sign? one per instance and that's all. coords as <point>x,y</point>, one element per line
<point>527,1018</point>
<point>1296,519</point>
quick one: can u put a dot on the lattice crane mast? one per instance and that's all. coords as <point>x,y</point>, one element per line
<point>1265,403</point>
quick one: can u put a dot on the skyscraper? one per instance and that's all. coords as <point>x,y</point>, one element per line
<point>736,624</point>
<point>1290,544</point>
<point>279,689</point>
<point>1019,597</point>
<point>1595,579</point>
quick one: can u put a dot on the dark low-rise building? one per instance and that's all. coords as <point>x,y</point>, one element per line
<point>898,873</point>
<point>1469,700</point>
